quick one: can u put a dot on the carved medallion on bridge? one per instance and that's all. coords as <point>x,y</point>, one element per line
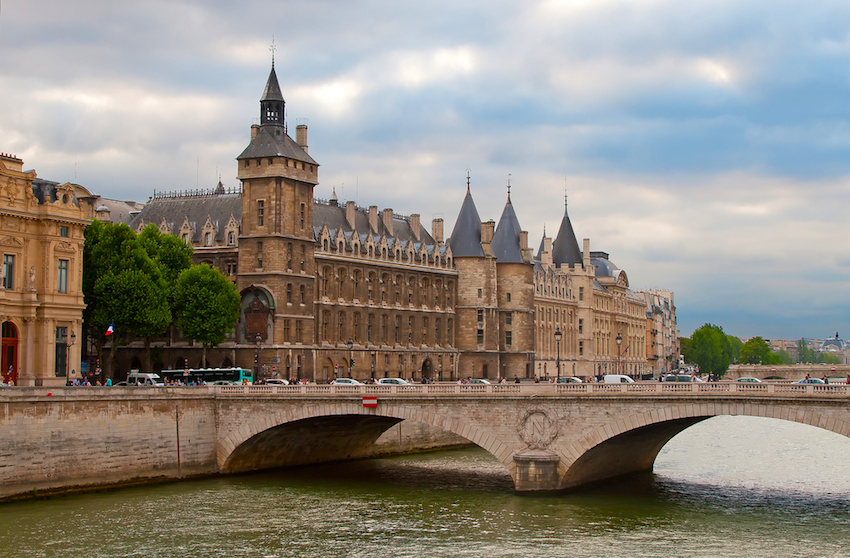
<point>537,429</point>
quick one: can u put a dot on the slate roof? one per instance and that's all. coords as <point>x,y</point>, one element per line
<point>565,250</point>
<point>272,90</point>
<point>333,215</point>
<point>505,246</point>
<point>272,141</point>
<point>465,241</point>
<point>196,209</point>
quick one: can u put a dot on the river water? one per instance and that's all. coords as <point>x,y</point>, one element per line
<point>729,486</point>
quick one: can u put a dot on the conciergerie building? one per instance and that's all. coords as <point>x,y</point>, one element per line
<point>330,288</point>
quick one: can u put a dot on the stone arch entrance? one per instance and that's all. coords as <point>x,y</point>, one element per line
<point>9,355</point>
<point>427,370</point>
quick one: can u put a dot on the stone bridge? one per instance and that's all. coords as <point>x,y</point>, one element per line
<point>548,437</point>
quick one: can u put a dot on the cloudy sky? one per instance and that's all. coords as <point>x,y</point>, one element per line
<point>704,144</point>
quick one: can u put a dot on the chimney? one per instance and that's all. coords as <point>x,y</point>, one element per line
<point>488,228</point>
<point>373,218</point>
<point>301,136</point>
<point>523,246</point>
<point>388,221</point>
<point>350,213</point>
<point>546,256</point>
<point>437,230</point>
<point>415,226</point>
<point>585,254</point>
<point>254,129</point>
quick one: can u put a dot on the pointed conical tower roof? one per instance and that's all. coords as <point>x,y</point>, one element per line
<point>466,236</point>
<point>565,250</point>
<point>542,244</point>
<point>505,245</point>
<point>272,103</point>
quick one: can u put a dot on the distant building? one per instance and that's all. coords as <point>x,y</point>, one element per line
<point>41,298</point>
<point>662,333</point>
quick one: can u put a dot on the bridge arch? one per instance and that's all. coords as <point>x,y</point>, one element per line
<point>631,444</point>
<point>316,433</point>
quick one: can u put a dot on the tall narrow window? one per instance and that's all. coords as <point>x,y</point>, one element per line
<point>508,318</point>
<point>480,336</point>
<point>61,360</point>
<point>581,293</point>
<point>357,327</point>
<point>289,293</point>
<point>261,210</point>
<point>8,271</point>
<point>369,327</point>
<point>62,280</point>
<point>259,254</point>
<point>480,316</point>
<point>303,257</point>
<point>341,328</point>
<point>298,331</point>
<point>286,331</point>
<point>580,325</point>
<point>289,256</point>
<point>302,294</point>
<point>303,214</point>
<point>63,232</point>
<point>231,238</point>
<point>508,338</point>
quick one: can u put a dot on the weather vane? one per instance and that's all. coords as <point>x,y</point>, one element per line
<point>272,48</point>
<point>509,184</point>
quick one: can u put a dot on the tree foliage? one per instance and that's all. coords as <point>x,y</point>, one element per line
<point>207,305</point>
<point>805,355</point>
<point>826,358</point>
<point>710,349</point>
<point>122,286</point>
<point>758,351</point>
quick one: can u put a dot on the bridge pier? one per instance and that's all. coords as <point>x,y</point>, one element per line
<point>537,471</point>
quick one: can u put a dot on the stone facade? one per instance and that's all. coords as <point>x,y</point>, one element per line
<point>41,298</point>
<point>326,283</point>
<point>662,334</point>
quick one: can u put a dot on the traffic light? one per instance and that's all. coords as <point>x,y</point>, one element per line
<point>351,363</point>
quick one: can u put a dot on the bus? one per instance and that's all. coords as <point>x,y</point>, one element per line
<point>208,375</point>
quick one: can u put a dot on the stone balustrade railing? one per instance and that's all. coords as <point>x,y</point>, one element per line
<point>635,389</point>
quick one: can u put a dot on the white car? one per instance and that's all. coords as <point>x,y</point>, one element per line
<point>277,382</point>
<point>478,381</point>
<point>346,382</point>
<point>392,381</point>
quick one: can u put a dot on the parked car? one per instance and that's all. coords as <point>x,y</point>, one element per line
<point>346,382</point>
<point>568,380</point>
<point>810,381</point>
<point>748,380</point>
<point>277,382</point>
<point>478,381</point>
<point>392,381</point>
<point>135,378</point>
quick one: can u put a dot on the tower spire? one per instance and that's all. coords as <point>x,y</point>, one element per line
<point>272,48</point>
<point>509,186</point>
<point>467,180</point>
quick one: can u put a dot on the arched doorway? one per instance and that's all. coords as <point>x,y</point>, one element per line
<point>427,369</point>
<point>9,355</point>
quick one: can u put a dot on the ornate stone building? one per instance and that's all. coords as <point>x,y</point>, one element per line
<point>325,284</point>
<point>41,299</point>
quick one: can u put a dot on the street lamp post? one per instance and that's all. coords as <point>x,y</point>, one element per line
<point>257,340</point>
<point>350,357</point>
<point>619,340</point>
<point>69,342</point>
<point>558,336</point>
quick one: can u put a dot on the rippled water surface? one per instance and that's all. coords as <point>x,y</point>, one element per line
<point>730,486</point>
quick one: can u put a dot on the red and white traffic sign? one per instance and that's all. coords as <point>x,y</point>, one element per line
<point>370,401</point>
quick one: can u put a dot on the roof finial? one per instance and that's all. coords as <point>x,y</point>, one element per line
<point>509,185</point>
<point>272,48</point>
<point>565,191</point>
<point>467,180</point>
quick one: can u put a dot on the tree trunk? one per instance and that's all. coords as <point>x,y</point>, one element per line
<point>204,356</point>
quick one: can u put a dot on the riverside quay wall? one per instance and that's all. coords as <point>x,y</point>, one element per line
<point>549,437</point>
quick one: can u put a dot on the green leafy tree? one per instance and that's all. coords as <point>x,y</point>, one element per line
<point>172,256</point>
<point>804,354</point>
<point>710,349</point>
<point>122,286</point>
<point>758,351</point>
<point>784,356</point>
<point>735,345</point>
<point>207,306</point>
<point>826,358</point>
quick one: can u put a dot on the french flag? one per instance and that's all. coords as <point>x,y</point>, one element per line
<point>109,330</point>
